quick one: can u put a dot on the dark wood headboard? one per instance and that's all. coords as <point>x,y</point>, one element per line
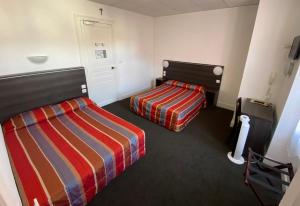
<point>26,91</point>
<point>195,73</point>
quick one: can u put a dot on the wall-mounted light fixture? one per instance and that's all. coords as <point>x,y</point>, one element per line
<point>37,59</point>
<point>218,71</point>
<point>165,64</point>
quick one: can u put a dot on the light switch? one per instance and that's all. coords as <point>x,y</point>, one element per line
<point>84,91</point>
<point>218,81</point>
<point>83,86</point>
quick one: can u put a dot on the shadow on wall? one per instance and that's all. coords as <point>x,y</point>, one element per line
<point>236,55</point>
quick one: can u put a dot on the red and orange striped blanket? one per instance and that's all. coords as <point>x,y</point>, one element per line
<point>64,154</point>
<point>172,105</point>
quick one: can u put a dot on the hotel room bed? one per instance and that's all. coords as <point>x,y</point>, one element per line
<point>64,154</point>
<point>173,104</point>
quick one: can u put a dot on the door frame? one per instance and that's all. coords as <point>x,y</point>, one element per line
<point>78,18</point>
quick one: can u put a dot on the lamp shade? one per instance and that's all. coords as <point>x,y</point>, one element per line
<point>165,63</point>
<point>218,71</point>
<point>38,59</point>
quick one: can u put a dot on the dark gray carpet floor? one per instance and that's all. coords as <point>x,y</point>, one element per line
<point>185,168</point>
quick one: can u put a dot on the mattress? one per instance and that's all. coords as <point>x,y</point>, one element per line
<point>173,104</point>
<point>64,154</point>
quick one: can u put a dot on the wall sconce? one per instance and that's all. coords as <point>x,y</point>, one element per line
<point>38,59</point>
<point>218,71</point>
<point>165,64</point>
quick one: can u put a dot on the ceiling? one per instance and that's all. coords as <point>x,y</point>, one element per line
<point>157,8</point>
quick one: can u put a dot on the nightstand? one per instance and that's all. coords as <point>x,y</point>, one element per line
<point>158,81</point>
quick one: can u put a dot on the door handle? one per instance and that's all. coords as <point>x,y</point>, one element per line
<point>113,68</point>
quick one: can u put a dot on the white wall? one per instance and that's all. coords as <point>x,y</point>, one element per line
<point>47,27</point>
<point>287,124</point>
<point>30,27</point>
<point>212,37</point>
<point>277,23</point>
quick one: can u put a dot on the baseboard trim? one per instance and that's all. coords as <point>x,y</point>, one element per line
<point>225,106</point>
<point>129,94</point>
<point>106,102</point>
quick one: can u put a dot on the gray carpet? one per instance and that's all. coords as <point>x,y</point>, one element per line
<point>185,168</point>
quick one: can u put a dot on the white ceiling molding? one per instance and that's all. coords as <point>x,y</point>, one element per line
<point>157,8</point>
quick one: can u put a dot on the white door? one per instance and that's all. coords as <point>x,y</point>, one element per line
<point>96,45</point>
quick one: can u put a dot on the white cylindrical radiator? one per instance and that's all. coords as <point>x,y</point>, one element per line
<point>237,157</point>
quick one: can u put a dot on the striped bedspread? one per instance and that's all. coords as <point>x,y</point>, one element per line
<point>65,154</point>
<point>172,105</point>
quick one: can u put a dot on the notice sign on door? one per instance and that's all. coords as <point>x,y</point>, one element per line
<point>100,54</point>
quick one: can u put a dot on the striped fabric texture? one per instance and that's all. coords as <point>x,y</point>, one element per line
<point>184,85</point>
<point>65,154</point>
<point>172,105</point>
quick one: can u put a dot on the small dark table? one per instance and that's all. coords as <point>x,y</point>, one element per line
<point>262,121</point>
<point>159,81</point>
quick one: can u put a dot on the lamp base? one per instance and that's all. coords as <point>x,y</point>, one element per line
<point>239,161</point>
